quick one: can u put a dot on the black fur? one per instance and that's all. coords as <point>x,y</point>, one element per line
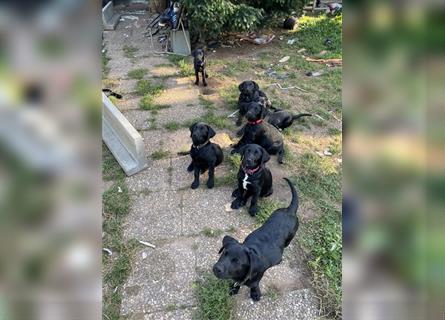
<point>263,134</point>
<point>282,119</point>
<point>199,63</point>
<point>258,183</point>
<point>249,92</point>
<point>246,262</point>
<point>205,155</point>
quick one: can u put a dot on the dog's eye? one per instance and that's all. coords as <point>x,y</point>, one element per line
<point>234,260</point>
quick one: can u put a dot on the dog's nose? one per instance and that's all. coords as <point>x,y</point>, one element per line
<point>249,162</point>
<point>217,270</point>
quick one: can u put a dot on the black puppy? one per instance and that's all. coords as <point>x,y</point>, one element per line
<point>254,179</point>
<point>205,155</point>
<point>282,119</point>
<point>249,92</point>
<point>199,63</point>
<point>246,263</point>
<point>262,133</point>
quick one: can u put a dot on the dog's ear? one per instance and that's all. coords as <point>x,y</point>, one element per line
<point>257,87</point>
<point>241,86</point>
<point>242,150</point>
<point>265,156</point>
<point>226,241</point>
<point>256,266</point>
<point>263,110</point>
<point>192,127</point>
<point>210,132</point>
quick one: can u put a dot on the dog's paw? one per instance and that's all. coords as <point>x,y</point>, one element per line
<point>255,294</point>
<point>253,211</point>
<point>233,290</point>
<point>195,184</point>
<point>190,167</point>
<point>210,184</point>
<point>236,204</point>
<point>197,83</point>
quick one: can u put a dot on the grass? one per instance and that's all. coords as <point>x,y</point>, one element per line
<point>266,208</point>
<point>105,60</point>
<point>173,126</point>
<point>312,33</point>
<point>111,169</point>
<point>116,268</point>
<point>230,96</point>
<point>213,233</point>
<point>214,302</point>
<point>129,51</point>
<point>231,178</point>
<point>184,65</point>
<point>147,103</point>
<point>320,182</point>
<point>146,87</point>
<point>207,104</point>
<point>137,73</point>
<point>160,154</point>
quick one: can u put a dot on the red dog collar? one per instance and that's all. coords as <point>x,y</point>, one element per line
<point>255,122</point>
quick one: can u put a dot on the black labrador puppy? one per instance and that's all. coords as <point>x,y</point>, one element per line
<point>205,155</point>
<point>282,119</point>
<point>262,133</point>
<point>254,179</point>
<point>262,249</point>
<point>249,92</point>
<point>199,63</point>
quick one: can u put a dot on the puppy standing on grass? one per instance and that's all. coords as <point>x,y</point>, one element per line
<point>199,63</point>
<point>205,155</point>
<point>254,179</point>
<point>262,249</point>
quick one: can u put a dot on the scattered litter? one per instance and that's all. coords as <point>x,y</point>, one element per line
<point>291,41</point>
<point>258,39</point>
<point>279,86</point>
<point>147,244</point>
<point>126,35</point>
<point>144,255</point>
<point>281,37</point>
<point>284,59</point>
<point>330,61</point>
<point>129,17</point>
<point>301,50</point>
<point>232,115</point>
<point>319,117</point>
<point>339,160</point>
<point>327,153</point>
<point>119,189</point>
<point>107,251</point>
<point>227,207</point>
<point>319,153</point>
<point>115,289</point>
<point>334,8</point>
<point>103,50</point>
<point>328,42</point>
<point>314,74</point>
<point>333,115</point>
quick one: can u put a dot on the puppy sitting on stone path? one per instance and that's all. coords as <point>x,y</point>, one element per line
<point>205,155</point>
<point>245,263</point>
<point>254,179</point>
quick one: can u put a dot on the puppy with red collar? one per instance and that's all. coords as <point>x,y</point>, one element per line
<point>254,179</point>
<point>260,132</point>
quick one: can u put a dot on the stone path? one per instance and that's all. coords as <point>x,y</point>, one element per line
<point>167,213</point>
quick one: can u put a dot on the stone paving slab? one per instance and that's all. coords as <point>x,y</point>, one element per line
<point>179,113</point>
<point>181,95</point>
<point>138,118</point>
<point>172,142</point>
<point>205,208</point>
<point>154,216</point>
<point>155,178</point>
<point>179,314</point>
<point>295,305</point>
<point>164,278</point>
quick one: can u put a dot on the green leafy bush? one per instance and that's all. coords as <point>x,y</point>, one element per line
<point>279,6</point>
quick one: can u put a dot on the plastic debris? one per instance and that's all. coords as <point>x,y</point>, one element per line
<point>314,74</point>
<point>284,59</point>
<point>144,255</point>
<point>119,189</point>
<point>147,244</point>
<point>107,251</point>
<point>327,153</point>
<point>291,41</point>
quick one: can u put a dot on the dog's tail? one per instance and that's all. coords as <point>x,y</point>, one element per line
<point>294,203</point>
<point>295,117</point>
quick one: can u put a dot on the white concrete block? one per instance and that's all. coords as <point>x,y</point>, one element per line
<point>124,142</point>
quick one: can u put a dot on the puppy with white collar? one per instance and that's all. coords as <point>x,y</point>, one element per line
<point>254,179</point>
